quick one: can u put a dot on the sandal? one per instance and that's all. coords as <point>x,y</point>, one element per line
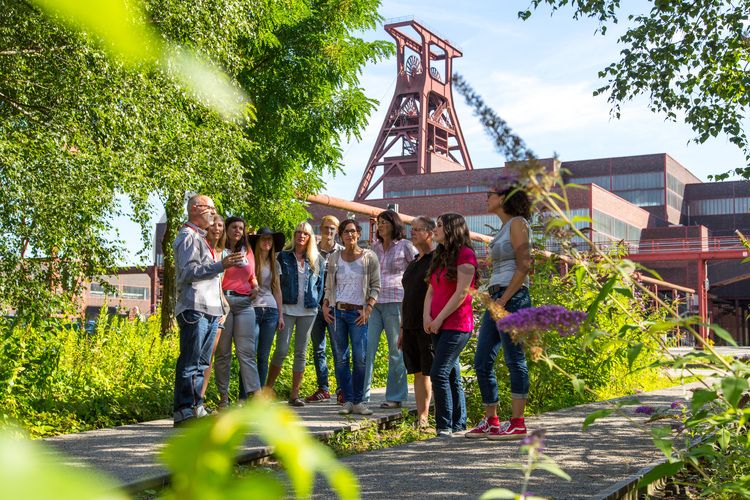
<point>390,405</point>
<point>296,402</point>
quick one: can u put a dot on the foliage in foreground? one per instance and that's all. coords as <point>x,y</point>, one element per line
<point>200,460</point>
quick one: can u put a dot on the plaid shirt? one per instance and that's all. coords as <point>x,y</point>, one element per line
<point>393,262</point>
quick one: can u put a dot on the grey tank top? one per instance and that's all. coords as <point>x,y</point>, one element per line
<point>503,256</point>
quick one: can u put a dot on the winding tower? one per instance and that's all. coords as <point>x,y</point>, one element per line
<point>420,133</point>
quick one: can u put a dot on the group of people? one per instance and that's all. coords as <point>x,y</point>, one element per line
<point>253,289</point>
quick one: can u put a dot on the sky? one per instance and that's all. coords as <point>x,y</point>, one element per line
<point>539,76</point>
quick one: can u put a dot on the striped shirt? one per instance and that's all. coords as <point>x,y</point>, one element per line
<point>393,263</point>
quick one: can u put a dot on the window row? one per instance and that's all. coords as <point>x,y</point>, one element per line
<point>616,228</point>
<point>434,191</point>
<point>720,206</point>
<point>127,292</point>
<point>645,180</point>
<point>643,198</point>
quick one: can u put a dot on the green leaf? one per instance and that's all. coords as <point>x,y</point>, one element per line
<point>29,469</point>
<point>550,466</point>
<point>723,334</point>
<point>594,415</point>
<point>733,387</point>
<point>603,293</point>
<point>580,273</point>
<point>662,436</point>
<point>498,493</point>
<point>660,471</point>
<point>625,292</point>
<point>633,352</point>
<point>701,397</point>
<point>578,385</point>
<point>723,437</point>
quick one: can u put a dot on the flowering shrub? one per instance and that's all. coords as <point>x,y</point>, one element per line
<point>527,326</point>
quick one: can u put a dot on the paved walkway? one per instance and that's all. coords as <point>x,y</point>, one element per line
<point>608,453</point>
<point>130,453</point>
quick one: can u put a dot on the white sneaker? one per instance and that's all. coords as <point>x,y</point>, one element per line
<point>346,409</point>
<point>361,409</point>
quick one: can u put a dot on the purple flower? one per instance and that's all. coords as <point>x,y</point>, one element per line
<point>541,319</point>
<point>676,404</point>
<point>677,426</point>
<point>535,439</point>
<point>646,410</point>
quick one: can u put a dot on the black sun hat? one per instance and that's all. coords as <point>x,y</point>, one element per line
<point>278,238</point>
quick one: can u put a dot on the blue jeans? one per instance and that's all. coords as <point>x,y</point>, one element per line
<point>447,389</point>
<point>266,321</point>
<point>386,317</point>
<point>318,339</point>
<point>197,334</point>
<point>490,340</point>
<point>346,334</point>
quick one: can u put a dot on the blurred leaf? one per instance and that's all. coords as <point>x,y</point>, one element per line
<point>633,352</point>
<point>725,335</point>
<point>499,494</point>
<point>663,470</point>
<point>578,384</point>
<point>733,387</point>
<point>662,436</point>
<point>594,415</point>
<point>550,466</point>
<point>605,290</point>
<point>701,397</point>
<point>28,469</point>
<point>625,292</point>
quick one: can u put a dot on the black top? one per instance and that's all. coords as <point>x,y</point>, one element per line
<point>415,288</point>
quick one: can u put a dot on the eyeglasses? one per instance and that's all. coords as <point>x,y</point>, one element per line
<point>419,229</point>
<point>349,231</point>
<point>210,207</point>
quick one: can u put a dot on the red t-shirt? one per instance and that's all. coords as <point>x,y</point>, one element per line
<point>462,319</point>
<point>239,279</point>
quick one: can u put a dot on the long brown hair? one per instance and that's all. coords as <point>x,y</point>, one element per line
<point>270,261</point>
<point>446,254</point>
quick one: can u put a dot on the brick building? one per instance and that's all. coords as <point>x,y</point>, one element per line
<point>649,202</point>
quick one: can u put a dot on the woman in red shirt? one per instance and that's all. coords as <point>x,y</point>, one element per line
<point>239,286</point>
<point>448,316</point>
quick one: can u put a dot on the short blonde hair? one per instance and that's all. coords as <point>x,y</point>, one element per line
<point>330,218</point>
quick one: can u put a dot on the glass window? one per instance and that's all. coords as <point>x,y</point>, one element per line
<point>742,205</point>
<point>135,292</point>
<point>674,200</point>
<point>615,228</point>
<point>675,184</point>
<point>643,198</point>
<point>602,180</point>
<point>716,206</point>
<point>645,180</point>
<point>97,289</point>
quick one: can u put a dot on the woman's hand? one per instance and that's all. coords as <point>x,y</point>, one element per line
<point>426,320</point>
<point>364,315</point>
<point>434,326</point>
<point>280,326</point>
<point>327,314</point>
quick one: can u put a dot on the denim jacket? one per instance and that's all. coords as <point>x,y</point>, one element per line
<point>288,278</point>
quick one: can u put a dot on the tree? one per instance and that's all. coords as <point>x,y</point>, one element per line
<point>111,128</point>
<point>689,57</point>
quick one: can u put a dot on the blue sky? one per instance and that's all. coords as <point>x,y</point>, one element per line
<point>538,75</point>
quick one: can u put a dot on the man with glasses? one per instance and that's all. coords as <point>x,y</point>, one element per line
<point>198,305</point>
<point>328,227</point>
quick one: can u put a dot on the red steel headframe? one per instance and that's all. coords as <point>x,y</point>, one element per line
<point>421,117</point>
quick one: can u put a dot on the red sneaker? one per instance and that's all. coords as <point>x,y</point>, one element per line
<point>318,396</point>
<point>482,430</point>
<point>513,429</point>
<point>339,397</point>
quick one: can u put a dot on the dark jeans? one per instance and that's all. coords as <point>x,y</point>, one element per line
<point>346,334</point>
<point>489,342</point>
<point>197,334</point>
<point>447,389</point>
<point>266,322</point>
<point>318,340</point>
